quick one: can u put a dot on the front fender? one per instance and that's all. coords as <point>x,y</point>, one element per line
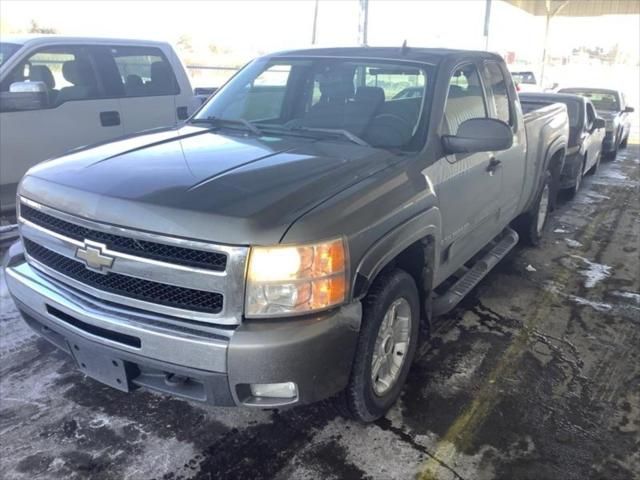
<point>383,251</point>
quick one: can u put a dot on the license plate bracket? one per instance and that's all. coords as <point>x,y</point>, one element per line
<point>99,365</point>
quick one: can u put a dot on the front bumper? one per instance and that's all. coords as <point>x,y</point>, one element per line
<point>315,352</point>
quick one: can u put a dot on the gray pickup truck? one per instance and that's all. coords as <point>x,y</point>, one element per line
<point>296,236</point>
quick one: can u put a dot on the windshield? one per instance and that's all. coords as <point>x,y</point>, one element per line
<point>602,100</point>
<point>365,100</point>
<point>524,77</point>
<point>6,50</point>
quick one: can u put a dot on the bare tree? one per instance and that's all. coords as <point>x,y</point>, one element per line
<point>35,28</point>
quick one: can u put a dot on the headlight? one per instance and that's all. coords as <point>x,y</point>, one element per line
<point>287,280</point>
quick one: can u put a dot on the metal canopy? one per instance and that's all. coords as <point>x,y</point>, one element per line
<point>577,8</point>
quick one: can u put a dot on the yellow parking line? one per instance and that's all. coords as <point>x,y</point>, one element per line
<point>461,433</point>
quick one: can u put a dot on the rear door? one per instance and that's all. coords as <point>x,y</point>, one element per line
<point>501,103</point>
<point>76,111</point>
<point>468,187</point>
<point>147,87</point>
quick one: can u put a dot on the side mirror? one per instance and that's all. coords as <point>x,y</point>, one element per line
<point>479,135</point>
<point>629,110</point>
<point>28,87</point>
<point>24,96</point>
<point>598,123</point>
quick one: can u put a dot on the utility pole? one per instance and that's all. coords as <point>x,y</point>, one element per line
<point>314,31</point>
<point>364,23</point>
<point>487,18</point>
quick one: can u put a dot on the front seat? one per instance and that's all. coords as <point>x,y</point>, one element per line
<point>162,81</point>
<point>361,111</point>
<point>80,74</point>
<point>42,73</point>
<point>336,88</point>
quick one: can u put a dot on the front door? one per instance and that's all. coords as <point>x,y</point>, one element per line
<point>469,186</point>
<point>502,103</point>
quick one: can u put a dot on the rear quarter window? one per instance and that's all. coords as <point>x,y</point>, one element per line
<point>144,71</point>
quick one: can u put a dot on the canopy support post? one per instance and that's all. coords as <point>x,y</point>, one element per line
<point>487,18</point>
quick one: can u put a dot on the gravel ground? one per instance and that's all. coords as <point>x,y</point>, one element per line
<point>536,375</point>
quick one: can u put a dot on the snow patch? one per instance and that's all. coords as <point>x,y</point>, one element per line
<point>531,268</point>
<point>629,295</point>
<point>598,306</point>
<point>594,273</point>
<point>572,243</point>
<point>614,174</point>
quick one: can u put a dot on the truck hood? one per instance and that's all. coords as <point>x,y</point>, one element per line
<point>195,182</point>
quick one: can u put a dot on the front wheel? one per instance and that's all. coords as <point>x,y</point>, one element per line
<point>386,346</point>
<point>578,180</point>
<point>531,225</point>
<point>596,165</point>
<point>625,142</point>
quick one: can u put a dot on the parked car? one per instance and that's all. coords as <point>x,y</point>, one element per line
<point>291,240</point>
<point>59,93</point>
<point>612,106</point>
<point>526,81</point>
<point>586,133</point>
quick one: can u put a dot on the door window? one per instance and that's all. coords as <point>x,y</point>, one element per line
<point>465,99</point>
<point>497,89</point>
<point>64,73</point>
<point>144,71</point>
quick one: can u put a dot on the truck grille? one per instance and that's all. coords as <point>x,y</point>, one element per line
<point>156,251</point>
<point>145,290</point>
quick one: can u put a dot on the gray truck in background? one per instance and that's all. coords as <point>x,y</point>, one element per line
<point>294,238</point>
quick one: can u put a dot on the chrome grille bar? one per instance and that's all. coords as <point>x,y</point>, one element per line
<point>229,283</point>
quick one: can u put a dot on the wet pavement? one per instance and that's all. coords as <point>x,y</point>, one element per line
<point>536,375</point>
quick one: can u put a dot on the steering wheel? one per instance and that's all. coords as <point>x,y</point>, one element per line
<point>389,130</point>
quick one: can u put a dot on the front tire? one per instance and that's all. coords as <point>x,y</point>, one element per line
<point>386,346</point>
<point>531,225</point>
<point>625,142</point>
<point>596,165</point>
<point>578,181</point>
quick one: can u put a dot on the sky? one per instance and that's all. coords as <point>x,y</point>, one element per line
<point>249,27</point>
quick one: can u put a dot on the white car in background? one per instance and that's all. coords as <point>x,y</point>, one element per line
<point>59,93</point>
<point>526,81</point>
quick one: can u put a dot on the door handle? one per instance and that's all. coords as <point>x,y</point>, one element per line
<point>110,119</point>
<point>494,164</point>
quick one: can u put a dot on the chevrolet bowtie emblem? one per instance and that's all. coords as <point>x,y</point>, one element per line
<point>94,258</point>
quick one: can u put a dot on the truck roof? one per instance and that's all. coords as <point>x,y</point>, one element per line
<point>42,39</point>
<point>425,55</point>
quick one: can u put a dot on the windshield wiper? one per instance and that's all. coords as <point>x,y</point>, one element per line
<point>229,122</point>
<point>334,131</point>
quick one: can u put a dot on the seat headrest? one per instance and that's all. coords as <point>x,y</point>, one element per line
<point>78,72</point>
<point>161,73</point>
<point>336,85</point>
<point>41,73</point>
<point>134,80</point>
<point>374,95</point>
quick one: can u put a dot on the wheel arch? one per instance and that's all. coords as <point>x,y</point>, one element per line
<point>412,246</point>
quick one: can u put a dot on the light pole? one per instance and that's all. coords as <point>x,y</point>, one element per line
<point>314,31</point>
<point>364,23</point>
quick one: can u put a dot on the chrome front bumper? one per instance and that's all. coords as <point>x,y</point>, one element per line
<point>315,352</point>
<point>179,346</point>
